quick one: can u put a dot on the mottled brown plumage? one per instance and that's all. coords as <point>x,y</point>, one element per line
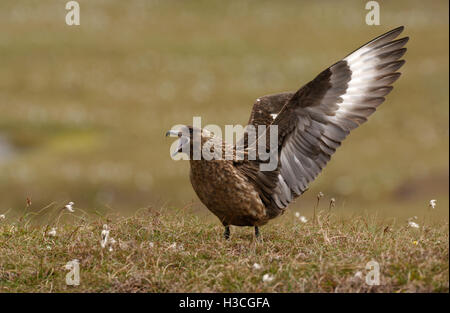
<point>312,123</point>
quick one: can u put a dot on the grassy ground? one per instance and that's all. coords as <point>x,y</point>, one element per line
<point>162,250</point>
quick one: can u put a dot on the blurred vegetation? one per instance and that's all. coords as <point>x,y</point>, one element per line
<point>157,250</point>
<point>83,110</point>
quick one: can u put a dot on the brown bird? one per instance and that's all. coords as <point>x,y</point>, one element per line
<point>311,122</point>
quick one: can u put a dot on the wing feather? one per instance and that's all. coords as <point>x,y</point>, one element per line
<point>314,121</point>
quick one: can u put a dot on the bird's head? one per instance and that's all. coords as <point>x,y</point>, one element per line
<point>187,138</point>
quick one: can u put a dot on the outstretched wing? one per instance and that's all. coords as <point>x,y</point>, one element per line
<point>315,120</point>
<point>266,108</point>
<point>264,111</point>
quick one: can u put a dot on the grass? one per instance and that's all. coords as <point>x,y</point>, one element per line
<point>167,250</point>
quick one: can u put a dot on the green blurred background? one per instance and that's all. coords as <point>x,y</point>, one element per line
<point>84,109</point>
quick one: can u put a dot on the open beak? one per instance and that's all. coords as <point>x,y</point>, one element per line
<point>181,141</point>
<point>173,133</point>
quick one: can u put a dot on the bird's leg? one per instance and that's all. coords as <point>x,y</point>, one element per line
<point>226,234</point>
<point>257,232</point>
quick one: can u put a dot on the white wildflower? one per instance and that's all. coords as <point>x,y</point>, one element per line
<point>267,278</point>
<point>432,203</point>
<point>48,247</point>
<point>173,246</point>
<point>359,275</point>
<point>256,266</point>
<point>106,240</point>
<point>300,217</point>
<point>2,216</point>
<point>69,207</point>
<point>176,246</point>
<point>52,232</point>
<point>413,224</point>
<point>151,244</point>
<point>105,236</point>
<point>332,203</point>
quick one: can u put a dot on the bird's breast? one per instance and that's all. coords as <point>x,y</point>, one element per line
<point>227,193</point>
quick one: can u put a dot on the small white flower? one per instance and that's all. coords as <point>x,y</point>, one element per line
<point>413,225</point>
<point>110,249</point>
<point>256,266</point>
<point>303,219</point>
<point>151,244</point>
<point>267,278</point>
<point>332,203</point>
<point>48,247</point>
<point>359,275</point>
<point>300,217</point>
<point>2,216</point>
<point>274,116</point>
<point>173,246</point>
<point>433,203</point>
<point>105,236</point>
<point>52,232</point>
<point>69,207</point>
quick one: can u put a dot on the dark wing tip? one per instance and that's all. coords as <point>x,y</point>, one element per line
<point>406,39</point>
<point>396,31</point>
<point>386,37</point>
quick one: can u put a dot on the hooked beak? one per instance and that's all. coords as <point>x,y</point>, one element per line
<point>173,133</point>
<point>181,141</point>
